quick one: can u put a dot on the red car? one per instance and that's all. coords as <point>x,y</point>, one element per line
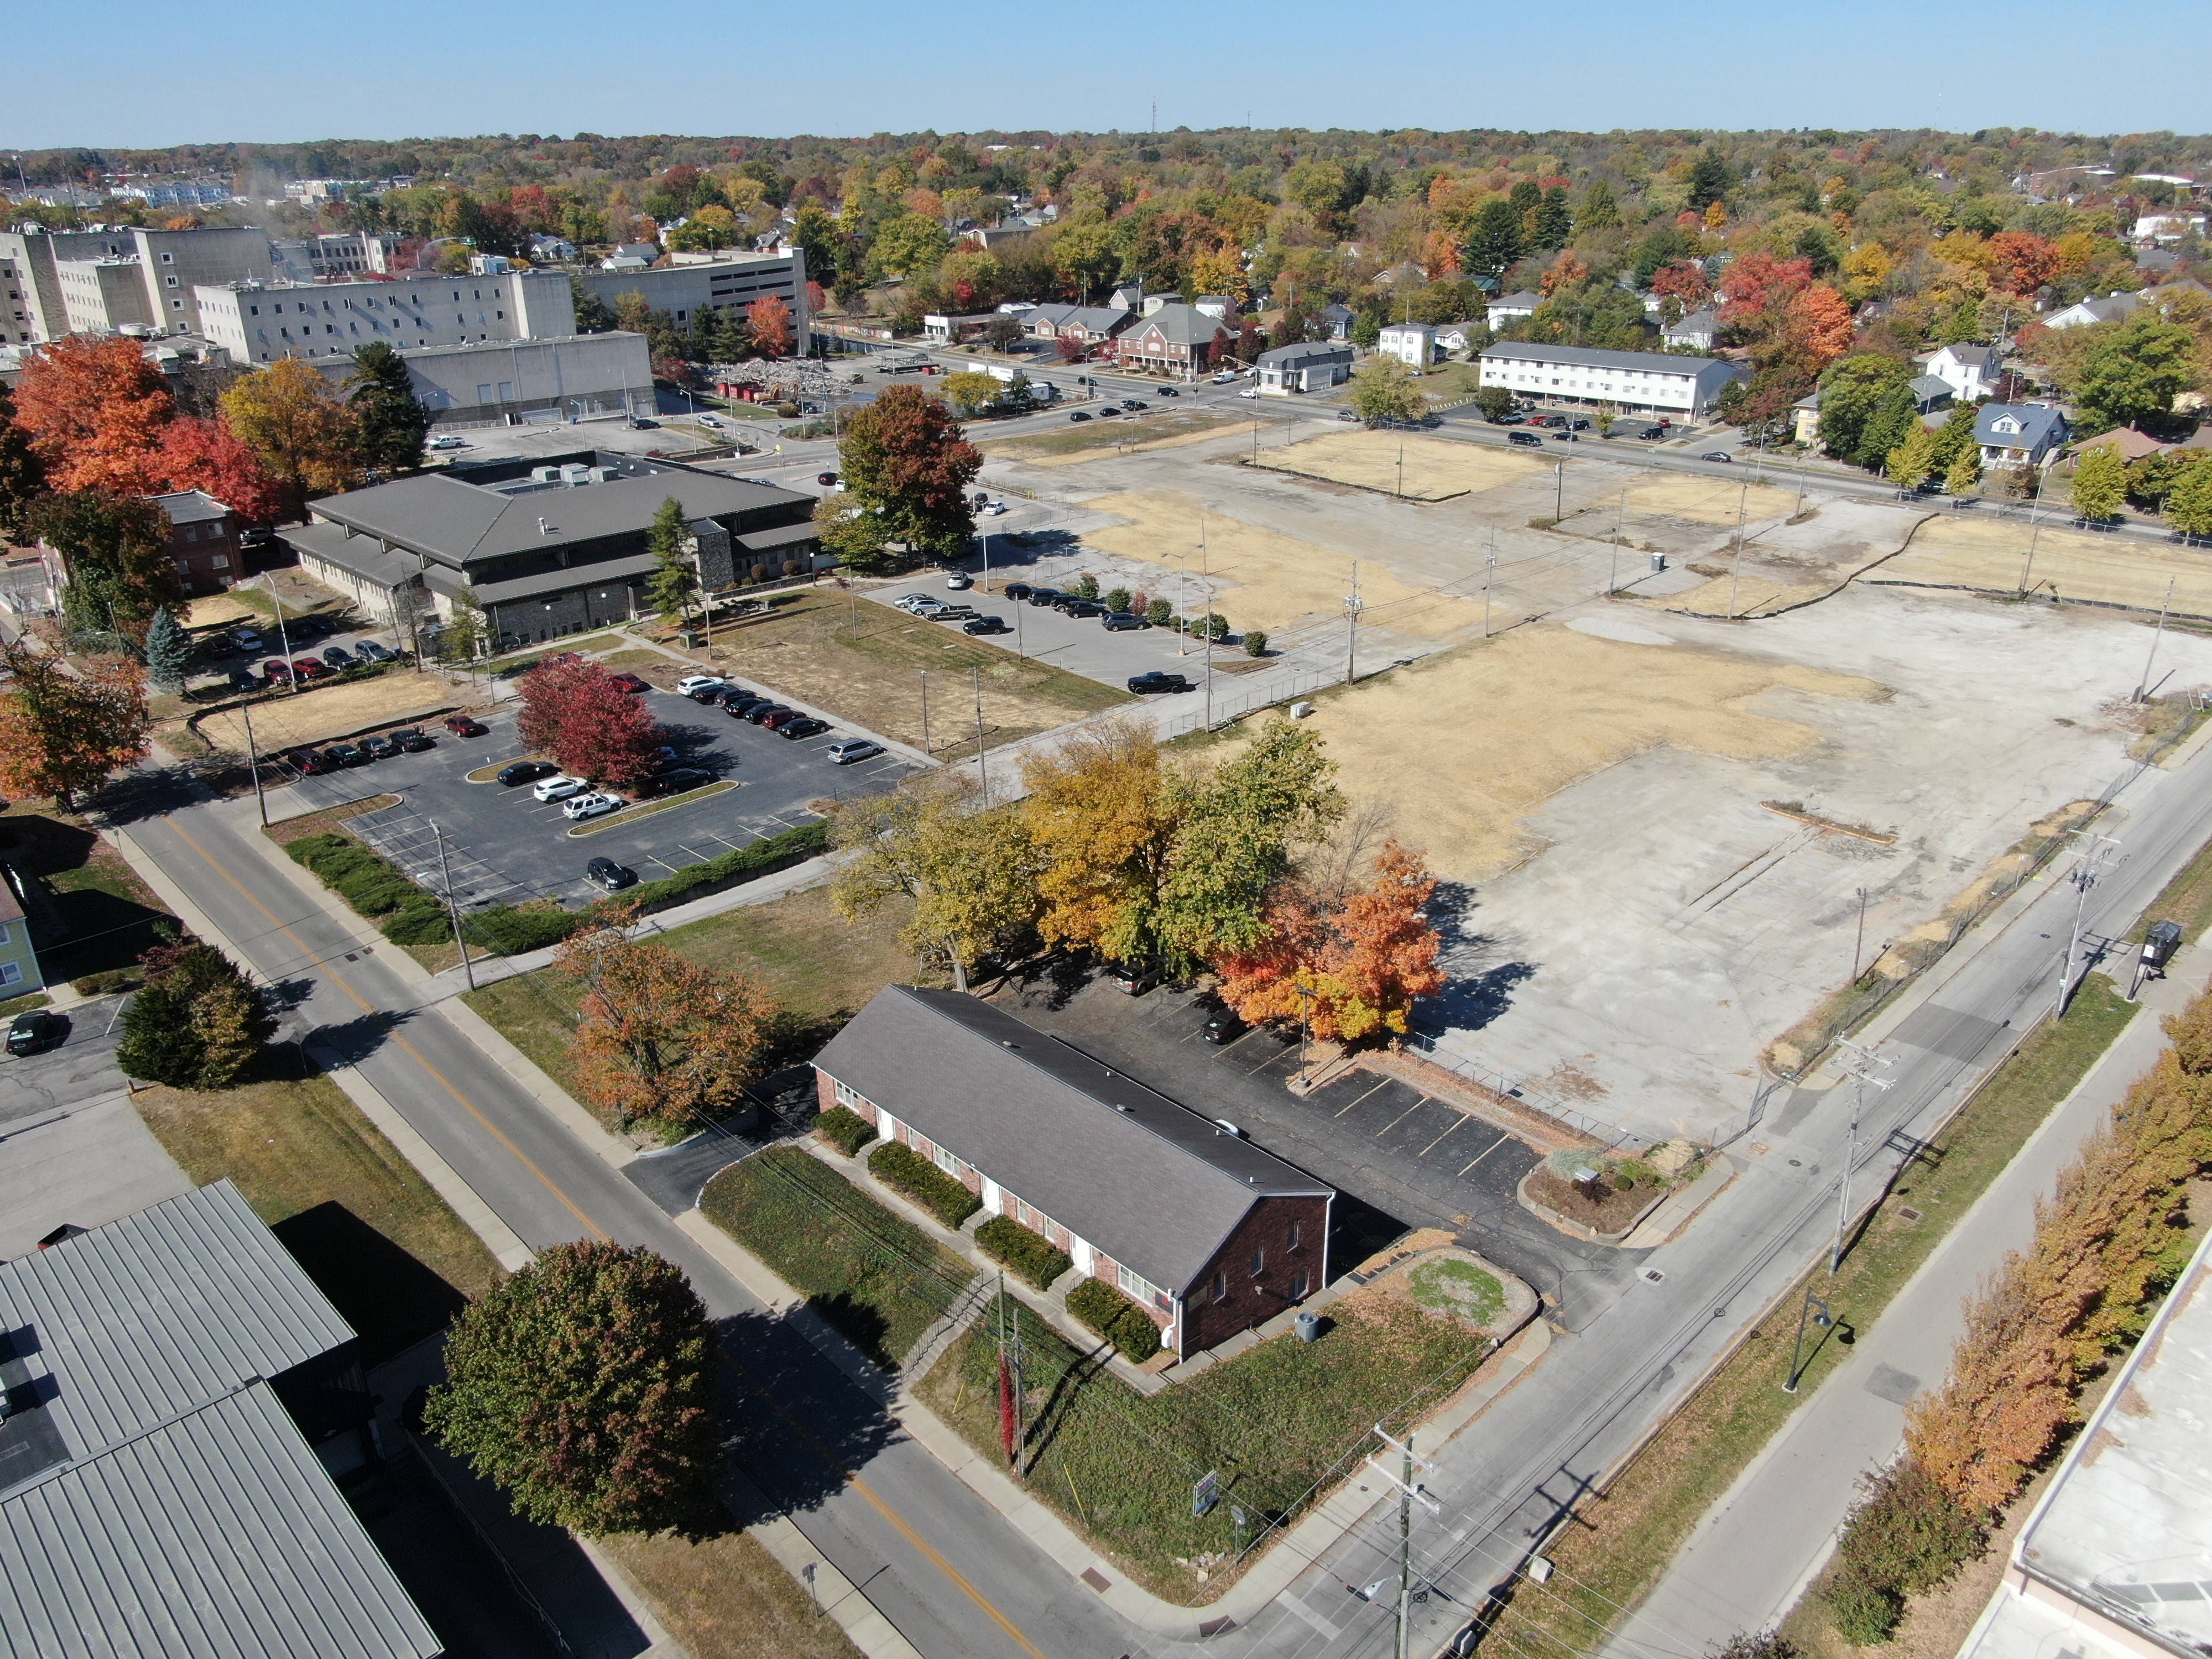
<point>631,683</point>
<point>782,717</point>
<point>277,669</point>
<point>462,727</point>
<point>307,668</point>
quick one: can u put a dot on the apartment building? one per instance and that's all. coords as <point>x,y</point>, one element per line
<point>103,296</point>
<point>1641,382</point>
<point>169,266</point>
<point>721,284</point>
<point>259,322</point>
<point>319,259</point>
<point>202,541</point>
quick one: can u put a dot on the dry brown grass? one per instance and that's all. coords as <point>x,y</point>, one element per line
<point>217,610</point>
<point>727,1598</point>
<point>1533,711</point>
<point>1989,555</point>
<point>331,712</point>
<point>1102,439</point>
<point>1435,469</point>
<point>1272,580</point>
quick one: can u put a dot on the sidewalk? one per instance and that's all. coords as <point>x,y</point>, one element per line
<point>1754,1553</point>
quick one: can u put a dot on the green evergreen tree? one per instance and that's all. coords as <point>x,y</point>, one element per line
<point>1600,210</point>
<point>592,316</point>
<point>467,633</point>
<point>1494,242</point>
<point>1555,220</point>
<point>1709,180</point>
<point>1957,436</point>
<point>668,589</point>
<point>1894,422</point>
<point>198,1023</point>
<point>389,419</point>
<point>168,651</point>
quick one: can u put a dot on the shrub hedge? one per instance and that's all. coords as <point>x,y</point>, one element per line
<point>404,914</point>
<point>1115,1317</point>
<point>845,1129</point>
<point>1905,1535</point>
<point>1033,1256</point>
<point>903,1170</point>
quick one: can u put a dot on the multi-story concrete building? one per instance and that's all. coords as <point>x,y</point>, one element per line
<point>316,258</point>
<point>170,264</point>
<point>723,284</point>
<point>259,322</point>
<point>16,315</point>
<point>1643,382</point>
<point>573,374</point>
<point>103,296</point>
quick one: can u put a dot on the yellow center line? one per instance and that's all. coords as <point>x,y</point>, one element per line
<point>339,979</point>
<point>860,1486</point>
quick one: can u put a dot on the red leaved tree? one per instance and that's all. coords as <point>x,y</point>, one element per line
<point>1757,288</point>
<point>592,727</point>
<point>207,456</point>
<point>96,409</point>
<point>2026,261</point>
<point>1819,320</point>
<point>770,320</point>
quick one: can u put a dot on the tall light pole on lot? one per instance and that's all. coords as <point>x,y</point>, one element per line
<point>253,760</point>
<point>1354,604</point>
<point>983,777</point>
<point>925,712</point>
<point>2034,531</point>
<point>1205,581</point>
<point>452,907</point>
<point>1735,570</point>
<point>1863,1057</point>
<point>1408,1495</point>
<point>2165,604</point>
<point>2088,869</point>
<point>1559,491</point>
<point>1489,569</point>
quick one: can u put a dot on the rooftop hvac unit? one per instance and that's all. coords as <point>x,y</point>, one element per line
<point>546,474</point>
<point>576,475</point>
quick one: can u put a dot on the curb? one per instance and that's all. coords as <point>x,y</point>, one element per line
<point>840,1599</point>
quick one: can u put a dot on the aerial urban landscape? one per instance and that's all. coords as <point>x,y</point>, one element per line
<point>1138,886</point>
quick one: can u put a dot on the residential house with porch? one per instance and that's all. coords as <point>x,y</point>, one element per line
<point>1970,371</point>
<point>1207,1233</point>
<point>2019,435</point>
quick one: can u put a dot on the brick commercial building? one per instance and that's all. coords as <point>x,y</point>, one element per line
<point>1204,1231</point>
<point>202,541</point>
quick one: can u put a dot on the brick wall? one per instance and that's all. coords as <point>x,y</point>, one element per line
<point>1253,1298</point>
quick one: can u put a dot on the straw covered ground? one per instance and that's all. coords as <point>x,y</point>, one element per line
<point>1435,470</point>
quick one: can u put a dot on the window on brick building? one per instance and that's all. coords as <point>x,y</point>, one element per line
<point>1294,1232</point>
<point>1221,1286</point>
<point>1259,1258</point>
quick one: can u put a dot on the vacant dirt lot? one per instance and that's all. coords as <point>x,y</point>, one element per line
<point>1264,578</point>
<point>1434,470</point>
<point>1085,442</point>
<point>216,609</point>
<point>331,711</point>
<point>1464,744</point>
<point>808,650</point>
<point>1952,550</point>
<point>1784,564</point>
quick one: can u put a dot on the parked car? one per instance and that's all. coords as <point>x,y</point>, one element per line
<point>1225,1027</point>
<point>244,679</point>
<point>1169,391</point>
<point>1348,415</point>
<point>1716,455</point>
<point>338,657</point>
<point>726,695</point>
<point>825,478</point>
<point>1525,440</point>
<point>958,583</point>
<point>847,751</point>
<point>246,639</point>
<point>993,509</point>
<point>631,683</point>
<point>278,671</point>
<point>577,808</point>
<point>1134,405</point>
<point>308,668</point>
<point>414,740</point>
<point>608,876</point>
<point>1509,419</point>
<point>1249,392</point>
<point>1122,621</point>
<point>1108,412</point>
<point>807,727</point>
<point>1564,438</point>
<point>676,782</point>
<point>1018,589</point>
<point>1131,978</point>
<point>953,613</point>
<point>370,651</point>
<point>1225,377</point>
<point>986,625</point>
<point>379,747</point>
<point>779,717</point>
<point>448,442</point>
<point>1157,680</point>
<point>1579,424</point>
<point>707,694</point>
<point>525,771</point>
<point>1081,608</point>
<point>1077,414</point>
<point>1652,434</point>
<point>462,727</point>
<point>691,682</point>
<point>1043,596</point>
<point>32,1030</point>
<point>759,713</point>
<point>308,761</point>
<point>738,707</point>
<point>559,786</point>
<point>344,753</point>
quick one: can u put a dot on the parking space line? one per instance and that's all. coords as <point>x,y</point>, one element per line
<point>1488,1149</point>
<point>1403,1115</point>
<point>1385,1082</point>
<point>1266,1063</point>
<point>1457,1120</point>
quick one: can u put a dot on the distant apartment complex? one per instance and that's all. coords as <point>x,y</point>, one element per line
<point>1641,382</point>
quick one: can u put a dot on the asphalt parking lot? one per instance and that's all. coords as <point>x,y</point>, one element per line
<point>503,846</point>
<point>1079,645</point>
<point>79,1068</point>
<point>1405,1156</point>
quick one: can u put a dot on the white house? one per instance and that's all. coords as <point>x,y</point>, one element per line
<point>1641,381</point>
<point>1311,366</point>
<point>2168,227</point>
<point>2107,308</point>
<point>1970,371</point>
<point>1697,331</point>
<point>1412,344</point>
<point>1510,307</point>
<point>1459,336</point>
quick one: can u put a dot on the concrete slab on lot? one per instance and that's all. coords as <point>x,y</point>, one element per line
<point>79,1069</point>
<point>87,1166</point>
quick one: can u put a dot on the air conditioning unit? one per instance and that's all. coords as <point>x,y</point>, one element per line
<point>573,474</point>
<point>545,475</point>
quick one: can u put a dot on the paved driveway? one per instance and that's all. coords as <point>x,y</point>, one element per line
<point>503,846</point>
<point>1405,1158</point>
<point>1079,645</point>
<point>81,1068</point>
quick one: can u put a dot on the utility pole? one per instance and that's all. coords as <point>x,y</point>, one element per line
<point>253,760</point>
<point>1735,571</point>
<point>2165,604</point>
<point>2034,531</point>
<point>284,634</point>
<point>1489,566</point>
<point>925,712</point>
<point>1559,491</point>
<point>1620,535</point>
<point>453,908</point>
<point>1858,944</point>
<point>2088,869</point>
<point>1408,1495</point>
<point>1861,1058</point>
<point>1354,604</point>
<point>1205,581</point>
<point>975,675</point>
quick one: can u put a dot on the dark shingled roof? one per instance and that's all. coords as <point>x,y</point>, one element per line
<point>1157,1187</point>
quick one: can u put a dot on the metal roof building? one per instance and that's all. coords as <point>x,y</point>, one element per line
<point>159,1495</point>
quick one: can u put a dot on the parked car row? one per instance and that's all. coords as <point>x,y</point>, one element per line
<point>761,709</point>
<point>377,746</point>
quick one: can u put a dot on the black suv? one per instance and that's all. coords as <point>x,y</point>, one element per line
<point>1039,596</point>
<point>1158,680</point>
<point>1018,589</point>
<point>525,772</point>
<point>607,874</point>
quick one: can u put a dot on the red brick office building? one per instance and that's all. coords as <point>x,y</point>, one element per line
<point>202,541</point>
<point>1207,1232</point>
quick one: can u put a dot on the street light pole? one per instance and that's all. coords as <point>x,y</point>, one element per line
<point>1489,565</point>
<point>1354,604</point>
<point>253,760</point>
<point>1862,1057</point>
<point>2034,531</point>
<point>2086,871</point>
<point>453,909</point>
<point>1825,1320</point>
<point>2165,604</point>
<point>983,777</point>
<point>925,712</point>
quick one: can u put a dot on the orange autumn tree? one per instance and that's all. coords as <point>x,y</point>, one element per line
<point>659,1038</point>
<point>96,409</point>
<point>1353,967</point>
<point>770,320</point>
<point>63,732</point>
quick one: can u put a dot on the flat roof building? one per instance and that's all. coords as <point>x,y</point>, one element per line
<point>729,284</point>
<point>259,322</point>
<point>1641,382</point>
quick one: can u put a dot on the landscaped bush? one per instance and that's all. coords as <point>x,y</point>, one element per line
<point>372,886</point>
<point>1034,1257</point>
<point>514,932</point>
<point>903,1170</point>
<point>1115,1318</point>
<point>108,980</point>
<point>1864,1614</point>
<point>1255,643</point>
<point>845,1129</point>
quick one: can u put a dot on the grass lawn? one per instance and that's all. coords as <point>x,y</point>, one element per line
<point>1626,1538</point>
<point>809,649</point>
<point>1449,380</point>
<point>2186,899</point>
<point>383,1246</point>
<point>108,914</point>
<point>878,1278</point>
<point>1108,435</point>
<point>818,967</point>
<point>724,1597</point>
<point>1278,1422</point>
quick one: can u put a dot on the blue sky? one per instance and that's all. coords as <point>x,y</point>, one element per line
<point>162,74</point>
